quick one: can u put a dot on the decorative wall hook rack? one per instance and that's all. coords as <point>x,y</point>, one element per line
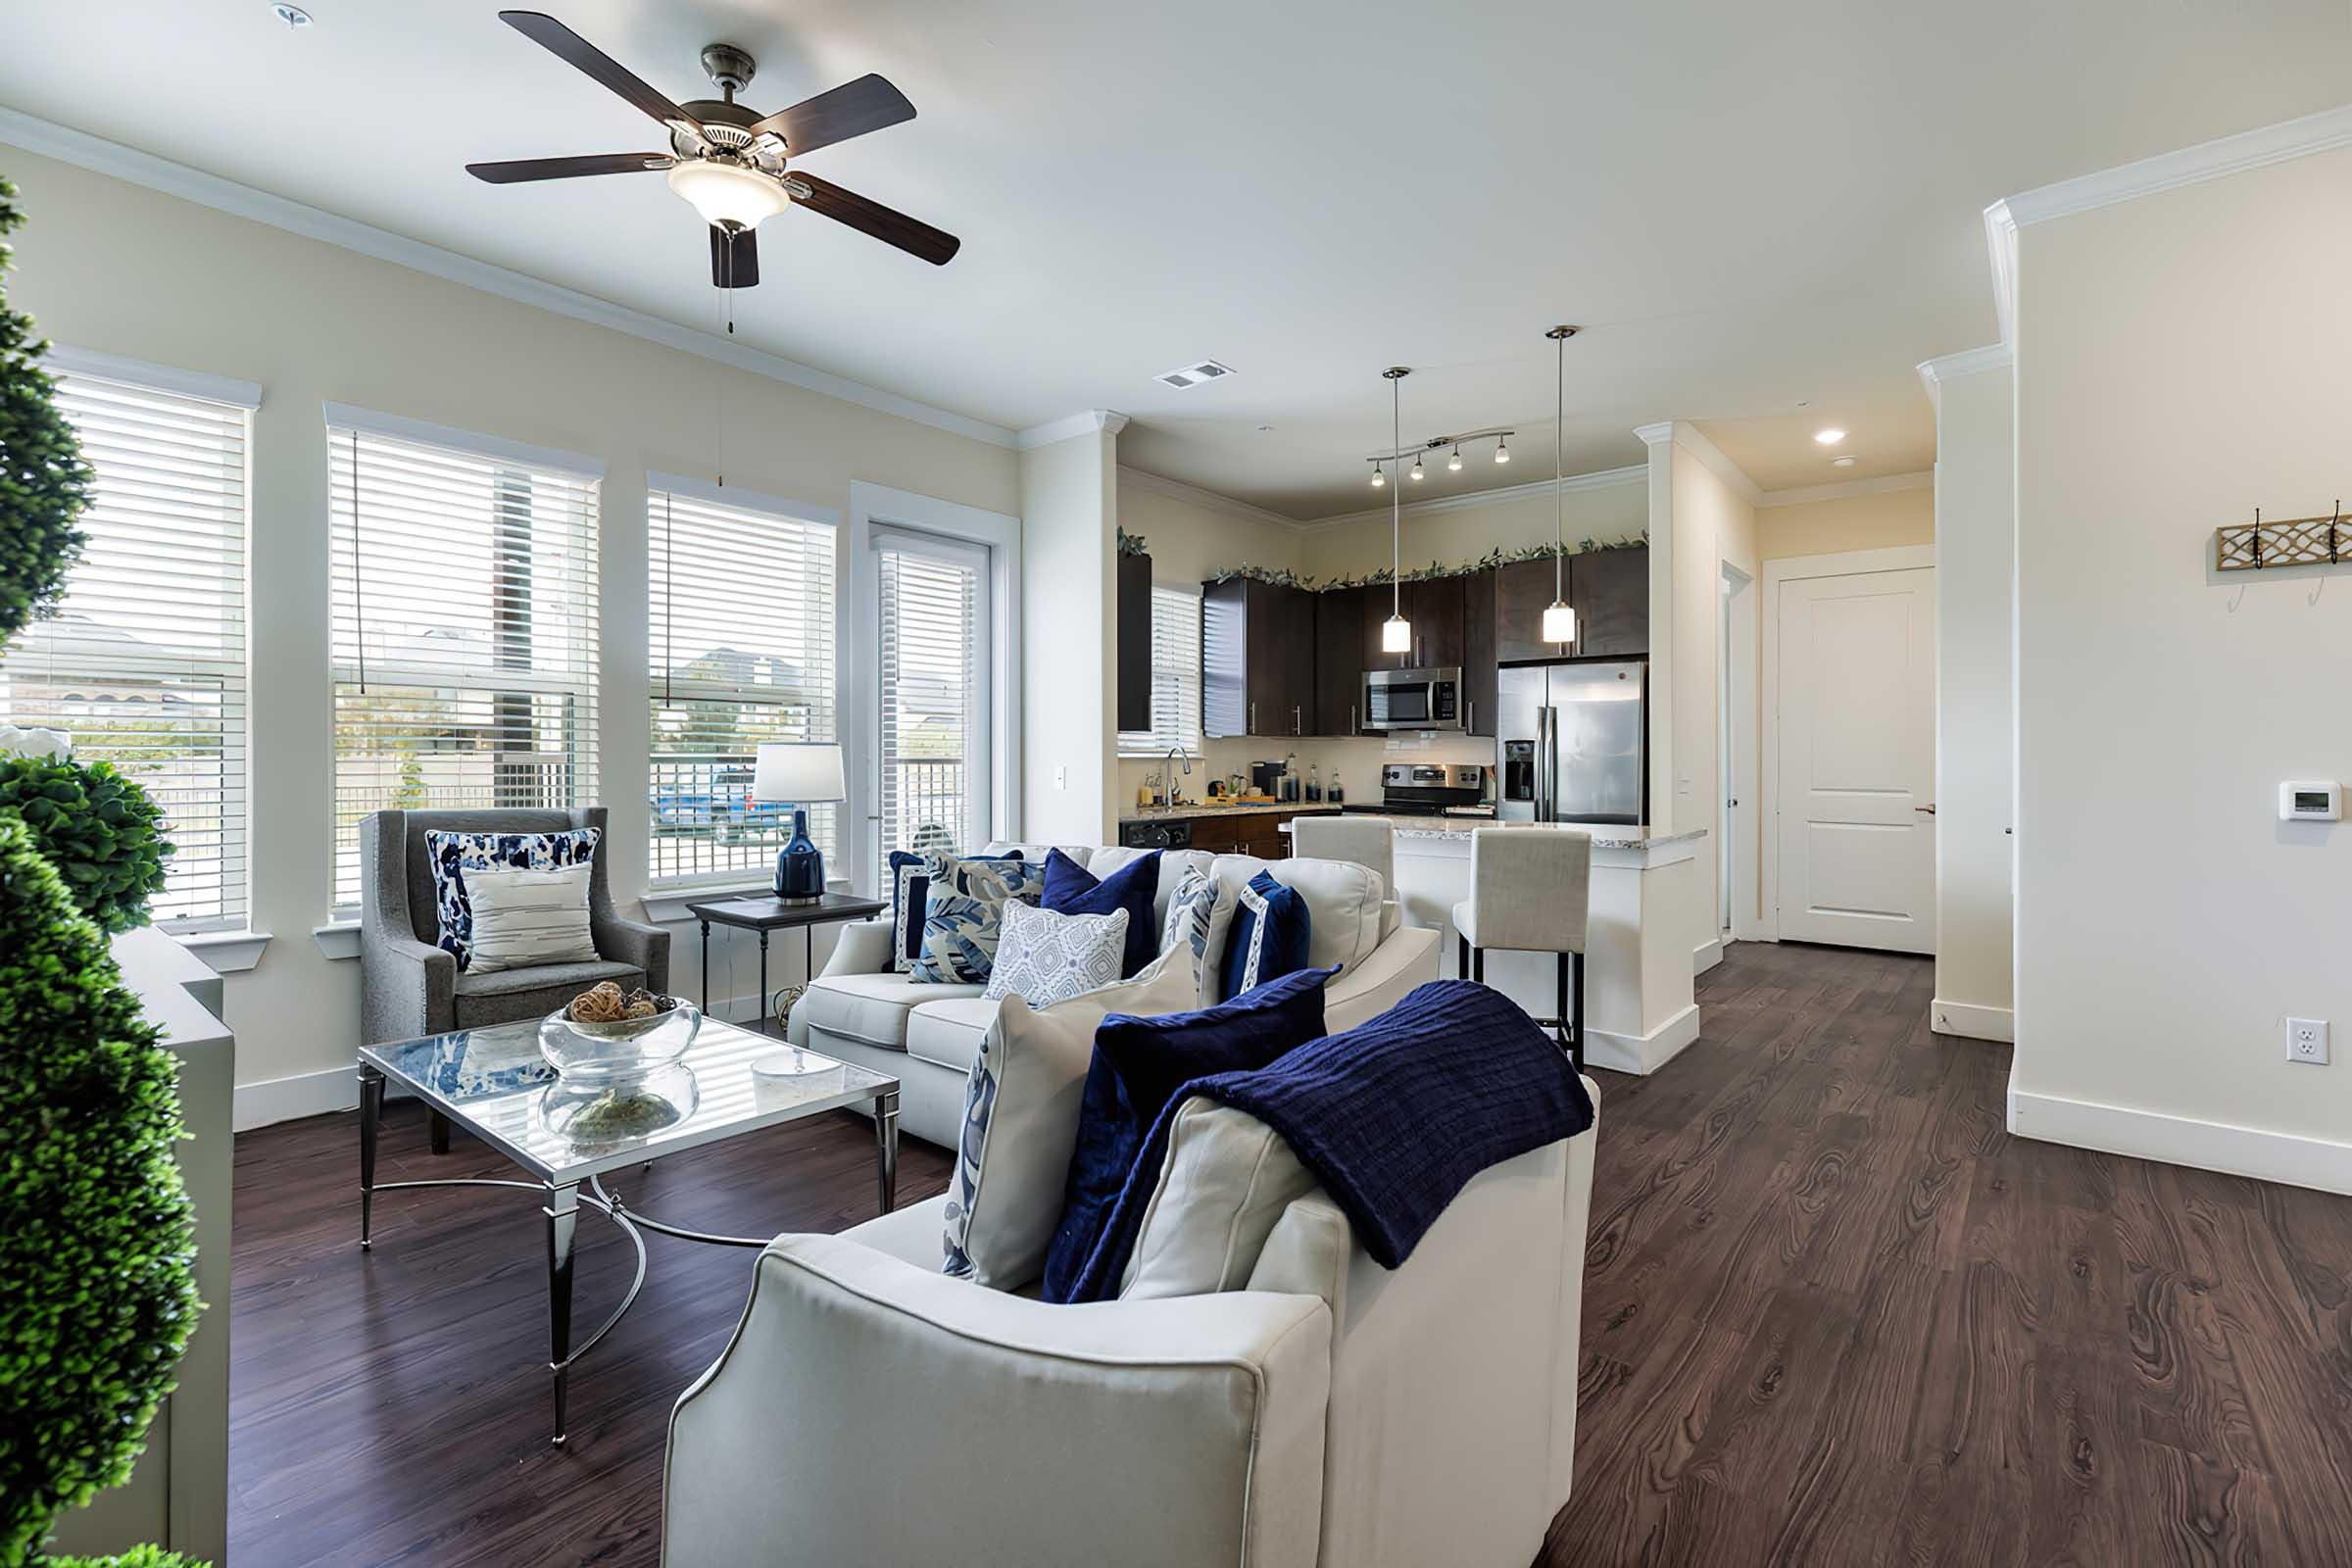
<point>2296,542</point>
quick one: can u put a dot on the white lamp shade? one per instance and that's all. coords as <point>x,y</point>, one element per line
<point>1559,624</point>
<point>801,774</point>
<point>1395,635</point>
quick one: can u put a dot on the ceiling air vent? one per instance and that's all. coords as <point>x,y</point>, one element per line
<point>1194,375</point>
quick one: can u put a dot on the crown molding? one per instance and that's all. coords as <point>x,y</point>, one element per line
<point>2324,131</point>
<point>1479,499</point>
<point>2000,251</point>
<point>1846,489</point>
<point>1209,500</point>
<point>1086,421</point>
<point>99,156</point>
<point>1933,374</point>
<point>1689,436</point>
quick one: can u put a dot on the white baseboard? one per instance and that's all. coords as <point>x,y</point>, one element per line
<point>1642,1053</point>
<point>2269,1157</point>
<point>1706,955</point>
<point>1967,1018</point>
<point>305,1094</point>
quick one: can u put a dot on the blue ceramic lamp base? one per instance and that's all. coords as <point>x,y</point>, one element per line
<point>799,866</point>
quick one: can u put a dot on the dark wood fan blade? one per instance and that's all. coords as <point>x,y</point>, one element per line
<point>734,257</point>
<point>515,170</point>
<point>559,41</point>
<point>909,234</point>
<point>850,110</point>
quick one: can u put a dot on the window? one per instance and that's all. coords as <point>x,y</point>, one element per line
<point>464,626</point>
<point>1175,676</point>
<point>144,663</point>
<point>740,608</point>
<point>932,610</point>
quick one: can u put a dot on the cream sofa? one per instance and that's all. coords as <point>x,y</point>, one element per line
<point>872,1410</point>
<point>859,1009</point>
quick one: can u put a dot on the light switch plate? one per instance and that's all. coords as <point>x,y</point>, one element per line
<point>2307,1041</point>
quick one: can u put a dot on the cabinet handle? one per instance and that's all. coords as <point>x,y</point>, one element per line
<point>1470,722</point>
<point>1296,728</point>
<point>1253,718</point>
<point>1352,726</point>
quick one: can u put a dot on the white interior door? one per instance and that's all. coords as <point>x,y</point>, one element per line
<point>932,768</point>
<point>1857,759</point>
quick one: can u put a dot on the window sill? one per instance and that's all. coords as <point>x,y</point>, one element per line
<point>338,939</point>
<point>226,952</point>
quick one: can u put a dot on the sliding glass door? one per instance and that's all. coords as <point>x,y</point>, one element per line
<point>932,768</point>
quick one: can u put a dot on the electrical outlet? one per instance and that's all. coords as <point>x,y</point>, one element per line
<point>2307,1041</point>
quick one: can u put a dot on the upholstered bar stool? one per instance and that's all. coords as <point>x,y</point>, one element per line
<point>1530,891</point>
<point>1365,841</point>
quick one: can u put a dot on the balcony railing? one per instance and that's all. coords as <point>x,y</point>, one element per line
<point>924,803</point>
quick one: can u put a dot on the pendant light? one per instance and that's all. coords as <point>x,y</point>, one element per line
<point>1454,464</point>
<point>1559,621</point>
<point>1502,450</point>
<point>1378,478</point>
<point>1396,632</point>
<point>1417,474</point>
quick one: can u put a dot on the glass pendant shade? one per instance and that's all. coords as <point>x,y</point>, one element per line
<point>1395,635</point>
<point>728,193</point>
<point>1559,624</point>
<point>1502,453</point>
<point>1379,479</point>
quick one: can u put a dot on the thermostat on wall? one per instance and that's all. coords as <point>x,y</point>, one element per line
<point>2302,801</point>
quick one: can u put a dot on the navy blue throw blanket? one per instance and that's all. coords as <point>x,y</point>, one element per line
<point>1394,1117</point>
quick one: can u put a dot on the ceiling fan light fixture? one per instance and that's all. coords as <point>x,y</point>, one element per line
<point>728,193</point>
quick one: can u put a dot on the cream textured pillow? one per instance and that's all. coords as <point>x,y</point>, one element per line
<point>1044,956</point>
<point>525,918</point>
<point>1226,1180</point>
<point>1020,1121</point>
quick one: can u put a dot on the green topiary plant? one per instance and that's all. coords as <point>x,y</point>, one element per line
<point>44,484</point>
<point>100,830</point>
<point>97,1282</point>
<point>135,1557</point>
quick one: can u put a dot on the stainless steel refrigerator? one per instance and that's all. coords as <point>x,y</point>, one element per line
<point>1571,739</point>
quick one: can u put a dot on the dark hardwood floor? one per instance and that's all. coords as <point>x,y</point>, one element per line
<point>1834,1314</point>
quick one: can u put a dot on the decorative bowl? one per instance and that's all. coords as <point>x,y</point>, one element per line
<point>593,1115</point>
<point>626,1047</point>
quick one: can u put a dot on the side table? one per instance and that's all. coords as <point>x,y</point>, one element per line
<point>764,912</point>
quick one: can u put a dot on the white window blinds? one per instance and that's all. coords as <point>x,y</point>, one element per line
<point>144,663</point>
<point>740,610</point>
<point>464,624</point>
<point>1175,676</point>
<point>933,684</point>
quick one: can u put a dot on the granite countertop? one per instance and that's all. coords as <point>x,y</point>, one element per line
<point>1192,808</point>
<point>1604,836</point>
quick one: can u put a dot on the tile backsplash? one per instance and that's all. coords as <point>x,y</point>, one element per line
<point>1357,763</point>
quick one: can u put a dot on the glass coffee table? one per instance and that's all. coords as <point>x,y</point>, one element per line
<point>494,1083</point>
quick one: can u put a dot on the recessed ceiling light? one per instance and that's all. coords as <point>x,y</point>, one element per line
<point>291,16</point>
<point>1841,462</point>
<point>1829,437</point>
<point>1264,429</point>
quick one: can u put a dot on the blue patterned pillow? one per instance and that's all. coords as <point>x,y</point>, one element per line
<point>912,873</point>
<point>452,855</point>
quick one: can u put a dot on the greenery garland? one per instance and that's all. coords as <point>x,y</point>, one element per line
<point>97,1282</point>
<point>44,483</point>
<point>1285,577</point>
<point>1133,544</point>
<point>101,832</point>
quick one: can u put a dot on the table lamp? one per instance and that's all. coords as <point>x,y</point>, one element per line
<point>799,774</point>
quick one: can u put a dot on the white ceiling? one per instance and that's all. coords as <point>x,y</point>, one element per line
<point>1747,207</point>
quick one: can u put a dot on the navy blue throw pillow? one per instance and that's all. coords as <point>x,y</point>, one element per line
<point>1139,1065</point>
<point>1269,939</point>
<point>1071,888</point>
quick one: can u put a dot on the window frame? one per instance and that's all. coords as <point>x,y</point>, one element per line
<point>1141,745</point>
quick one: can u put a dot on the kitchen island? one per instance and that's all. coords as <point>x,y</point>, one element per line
<point>1648,911</point>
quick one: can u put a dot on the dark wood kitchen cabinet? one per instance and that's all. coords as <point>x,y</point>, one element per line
<point>1478,653</point>
<point>1610,590</point>
<point>1135,642</point>
<point>1257,658</point>
<point>1522,590</point>
<point>1340,661</point>
<point>1434,606</point>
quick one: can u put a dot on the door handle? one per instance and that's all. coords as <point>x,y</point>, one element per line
<point>1926,809</point>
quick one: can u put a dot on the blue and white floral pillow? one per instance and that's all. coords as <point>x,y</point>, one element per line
<point>1199,914</point>
<point>452,855</point>
<point>963,919</point>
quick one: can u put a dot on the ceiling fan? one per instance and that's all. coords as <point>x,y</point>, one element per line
<point>729,161</point>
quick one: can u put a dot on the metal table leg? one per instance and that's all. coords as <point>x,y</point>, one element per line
<point>705,966</point>
<point>762,1021</point>
<point>886,1147</point>
<point>372,1115</point>
<point>563,1214</point>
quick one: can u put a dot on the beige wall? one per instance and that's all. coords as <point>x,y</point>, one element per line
<point>2181,363</point>
<point>1975,524</point>
<point>1359,543</point>
<point>1831,527</point>
<point>116,268</point>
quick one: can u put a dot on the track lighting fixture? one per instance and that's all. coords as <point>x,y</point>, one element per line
<point>1454,464</point>
<point>1502,450</point>
<point>1379,479</point>
<point>1417,474</point>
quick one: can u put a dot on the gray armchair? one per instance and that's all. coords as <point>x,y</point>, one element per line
<point>409,986</point>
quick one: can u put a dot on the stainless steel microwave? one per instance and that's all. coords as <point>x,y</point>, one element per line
<point>1413,699</point>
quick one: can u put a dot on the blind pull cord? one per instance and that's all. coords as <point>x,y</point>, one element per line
<point>359,598</point>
